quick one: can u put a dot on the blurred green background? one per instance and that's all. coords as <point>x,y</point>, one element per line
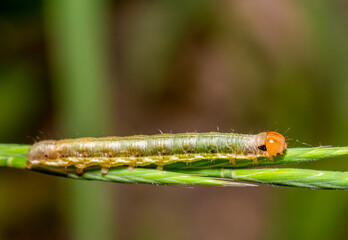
<point>74,68</point>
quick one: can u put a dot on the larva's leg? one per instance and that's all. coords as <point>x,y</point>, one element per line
<point>159,167</point>
<point>233,162</point>
<point>79,171</point>
<point>130,168</point>
<point>271,158</point>
<point>79,168</point>
<point>256,162</point>
<point>28,165</point>
<point>104,170</point>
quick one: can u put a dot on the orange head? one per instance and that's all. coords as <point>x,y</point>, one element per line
<point>271,142</point>
<point>275,143</point>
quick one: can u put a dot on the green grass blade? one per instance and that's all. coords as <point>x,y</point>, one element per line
<point>13,155</point>
<point>153,176</point>
<point>315,179</point>
<point>144,176</point>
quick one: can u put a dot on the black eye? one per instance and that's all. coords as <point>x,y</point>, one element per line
<point>262,147</point>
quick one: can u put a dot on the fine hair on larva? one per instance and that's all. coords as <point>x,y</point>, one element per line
<point>160,150</point>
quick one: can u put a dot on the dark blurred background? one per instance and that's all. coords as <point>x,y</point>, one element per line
<point>74,68</point>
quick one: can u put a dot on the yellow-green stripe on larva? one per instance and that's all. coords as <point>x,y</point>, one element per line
<point>160,150</point>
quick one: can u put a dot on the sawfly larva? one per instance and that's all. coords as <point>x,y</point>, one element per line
<point>159,150</point>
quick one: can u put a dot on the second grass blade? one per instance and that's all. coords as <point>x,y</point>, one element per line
<point>315,179</point>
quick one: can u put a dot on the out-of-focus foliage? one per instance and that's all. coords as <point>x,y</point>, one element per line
<point>24,83</point>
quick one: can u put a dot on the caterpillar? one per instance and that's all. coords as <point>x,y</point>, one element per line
<point>160,150</point>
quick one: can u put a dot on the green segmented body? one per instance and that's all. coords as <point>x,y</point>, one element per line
<point>160,150</point>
